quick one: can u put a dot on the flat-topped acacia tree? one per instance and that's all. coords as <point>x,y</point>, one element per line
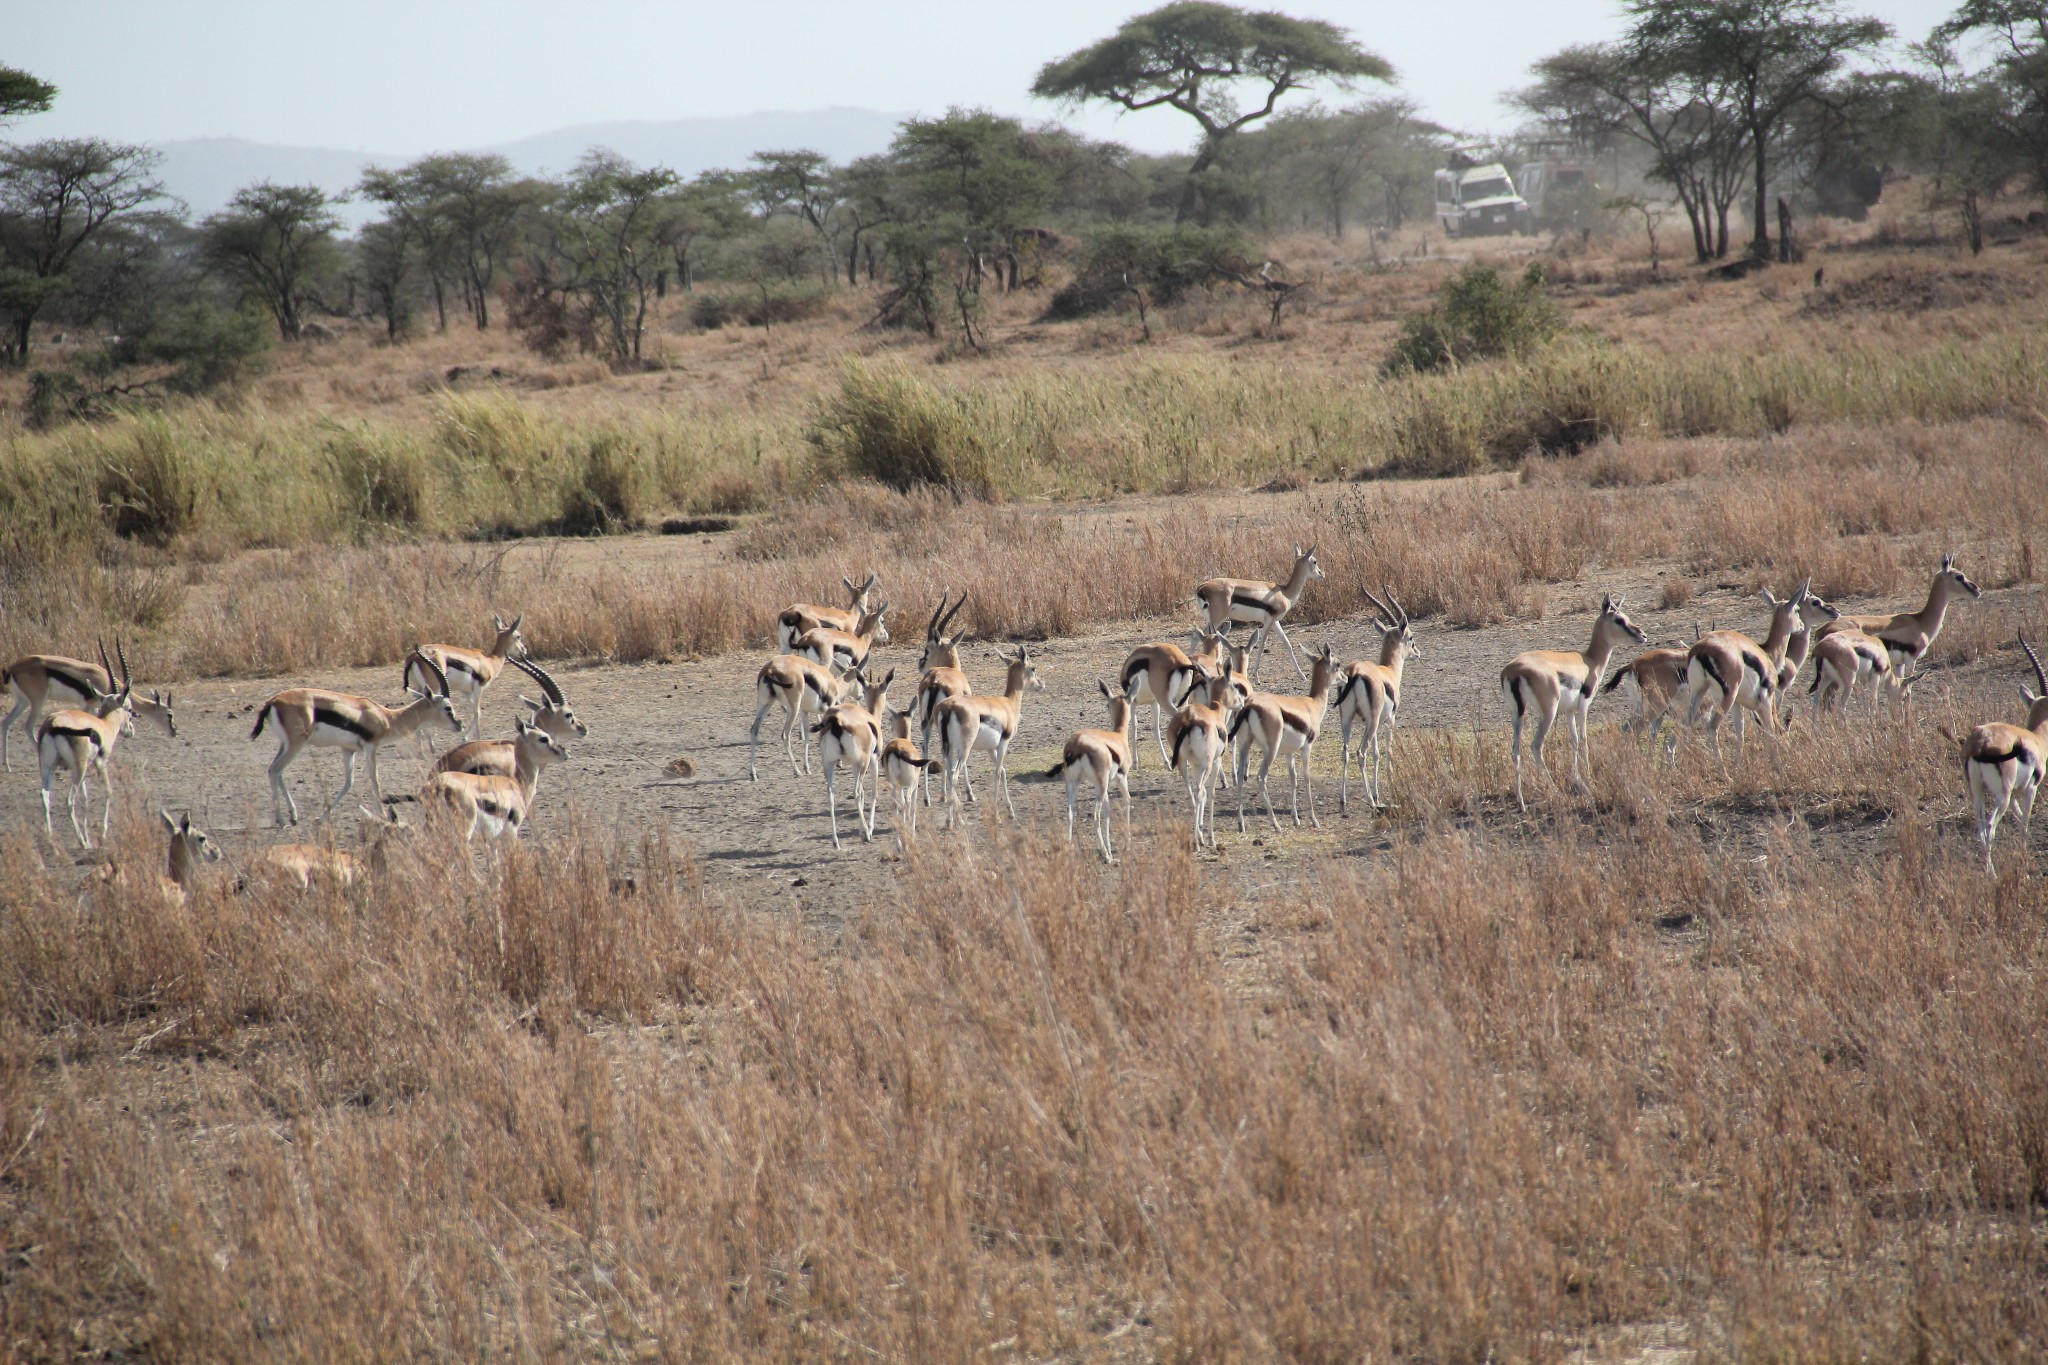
<point>1194,56</point>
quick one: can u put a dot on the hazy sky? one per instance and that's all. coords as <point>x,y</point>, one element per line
<point>422,75</point>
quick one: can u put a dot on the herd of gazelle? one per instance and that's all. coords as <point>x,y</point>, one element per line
<point>1207,705</point>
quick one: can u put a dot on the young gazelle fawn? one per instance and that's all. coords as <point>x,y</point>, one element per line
<point>977,722</point>
<point>311,717</point>
<point>81,742</point>
<point>1198,744</point>
<point>1285,727</point>
<point>1262,605</point>
<point>903,768</point>
<point>1369,694</point>
<point>845,650</point>
<point>1908,634</point>
<point>801,688</point>
<point>492,804</point>
<point>467,672</point>
<point>1100,758</point>
<point>851,733</point>
<point>2003,764</point>
<point>1730,672</point>
<point>55,682</point>
<point>799,617</point>
<point>939,673</point>
<point>1561,682</point>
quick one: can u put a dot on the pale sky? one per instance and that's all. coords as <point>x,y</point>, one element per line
<point>402,77</point>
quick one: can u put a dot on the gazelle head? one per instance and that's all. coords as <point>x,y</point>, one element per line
<point>940,649</point>
<point>1022,669</point>
<point>157,707</point>
<point>444,709</point>
<point>899,722</point>
<point>1612,622</point>
<point>552,714</point>
<point>859,594</point>
<point>1119,707</point>
<point>509,643</point>
<point>1954,579</point>
<point>541,748</point>
<point>1393,624</point>
<point>1813,611</point>
<point>189,844</point>
<point>122,702</point>
<point>2037,702</point>
<point>874,625</point>
<point>875,696</point>
<point>1308,557</point>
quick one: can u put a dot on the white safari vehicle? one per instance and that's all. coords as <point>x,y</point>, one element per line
<point>1480,201</point>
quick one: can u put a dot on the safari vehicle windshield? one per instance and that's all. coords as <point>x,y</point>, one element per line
<point>1473,190</point>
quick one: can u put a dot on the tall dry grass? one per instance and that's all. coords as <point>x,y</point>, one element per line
<point>1485,1097</point>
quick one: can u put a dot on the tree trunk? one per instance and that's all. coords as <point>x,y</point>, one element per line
<point>1702,230</point>
<point>853,260</point>
<point>1190,187</point>
<point>1784,231</point>
<point>1761,244</point>
<point>440,303</point>
<point>1721,232</point>
<point>1973,224</point>
<point>483,306</point>
<point>19,350</point>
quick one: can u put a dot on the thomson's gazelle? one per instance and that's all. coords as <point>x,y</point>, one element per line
<point>57,682</point>
<point>467,671</point>
<point>799,617</point>
<point>970,723</point>
<point>1285,727</point>
<point>1730,672</point>
<point>1562,682</point>
<point>1101,758</point>
<point>81,742</point>
<point>939,673</point>
<point>2003,764</point>
<point>904,767</point>
<point>316,718</point>
<point>1198,743</point>
<point>1160,674</point>
<point>846,650</point>
<point>801,688</point>
<point>493,804</point>
<point>487,756</point>
<point>1370,694</point>
<point>851,733</point>
<point>1260,604</point>
<point>1841,661</point>
<point>1907,634</point>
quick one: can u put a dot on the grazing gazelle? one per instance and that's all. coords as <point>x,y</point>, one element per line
<point>492,804</point>
<point>976,722</point>
<point>303,865</point>
<point>52,680</point>
<point>1100,758</point>
<point>81,742</point>
<point>845,650</point>
<point>939,673</point>
<point>1907,634</point>
<point>851,733</point>
<point>1285,727</point>
<point>1198,743</point>
<point>1562,682</point>
<point>1732,673</point>
<point>800,688</point>
<point>316,718</point>
<point>467,672</point>
<point>1369,694</point>
<point>799,617</point>
<point>2003,764</point>
<point>1161,673</point>
<point>1262,605</point>
<point>904,767</point>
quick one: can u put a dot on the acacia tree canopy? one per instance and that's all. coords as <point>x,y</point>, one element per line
<point>1195,56</point>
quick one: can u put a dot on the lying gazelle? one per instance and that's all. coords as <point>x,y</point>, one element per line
<point>1198,744</point>
<point>1562,682</point>
<point>939,673</point>
<point>466,672</point>
<point>801,688</point>
<point>80,741</point>
<point>2003,764</point>
<point>845,650</point>
<point>1908,634</point>
<point>1100,758</point>
<point>305,865</point>
<point>1262,605</point>
<point>491,803</point>
<point>1369,694</point>
<point>312,717</point>
<point>799,617</point>
<point>1161,673</point>
<point>975,722</point>
<point>851,733</point>
<point>190,846</point>
<point>903,768</point>
<point>1730,672</point>
<point>1285,727</point>
<point>485,756</point>
<point>52,680</point>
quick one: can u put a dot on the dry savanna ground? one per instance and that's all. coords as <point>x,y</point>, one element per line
<point>1714,1060</point>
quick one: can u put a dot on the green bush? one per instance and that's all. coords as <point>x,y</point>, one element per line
<point>384,479</point>
<point>612,491</point>
<point>885,425</point>
<point>1480,316</point>
<point>1164,262</point>
<point>148,489</point>
<point>210,347</point>
<point>711,311</point>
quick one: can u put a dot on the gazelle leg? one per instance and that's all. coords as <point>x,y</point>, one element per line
<point>6,756</point>
<point>1266,791</point>
<point>106,802</point>
<point>1071,786</point>
<point>1344,767</point>
<point>1515,750</point>
<point>1575,723</point>
<point>830,759</point>
<point>754,744</point>
<point>1379,790</point>
<point>1282,632</point>
<point>280,795</point>
<point>1308,779</point>
<point>1003,773</point>
<point>348,780</point>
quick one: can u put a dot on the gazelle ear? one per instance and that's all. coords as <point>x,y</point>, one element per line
<point>497,621</point>
<point>843,578</point>
<point>172,825</point>
<point>516,620</point>
<point>531,702</point>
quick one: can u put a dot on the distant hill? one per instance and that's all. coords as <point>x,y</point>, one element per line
<point>206,172</point>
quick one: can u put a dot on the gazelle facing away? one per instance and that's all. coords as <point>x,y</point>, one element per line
<point>80,742</point>
<point>799,617</point>
<point>970,723</point>
<point>939,673</point>
<point>904,767</point>
<point>2003,764</point>
<point>1370,694</point>
<point>1160,674</point>
<point>1262,605</point>
<point>1198,744</point>
<point>1285,727</point>
<point>60,683</point>
<point>851,733</point>
<point>845,650</point>
<point>316,718</point>
<point>1100,758</point>
<point>801,688</point>
<point>1733,674</point>
<point>465,672</point>
<point>1907,634</point>
<point>492,804</point>
<point>1660,682</point>
<point>1841,661</point>
<point>1561,682</point>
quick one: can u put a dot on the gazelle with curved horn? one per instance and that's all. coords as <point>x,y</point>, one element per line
<point>1285,727</point>
<point>465,672</point>
<point>979,722</point>
<point>940,676</point>
<point>904,767</point>
<point>552,712</point>
<point>1561,682</point>
<point>851,733</point>
<point>56,682</point>
<point>1198,744</point>
<point>80,741</point>
<point>845,650</point>
<point>2003,764</point>
<point>801,688</point>
<point>488,756</point>
<point>1261,605</point>
<point>1908,634</point>
<point>312,717</point>
<point>798,617</point>
<point>1369,694</point>
<point>1101,758</point>
<point>1732,673</point>
<point>492,804</point>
